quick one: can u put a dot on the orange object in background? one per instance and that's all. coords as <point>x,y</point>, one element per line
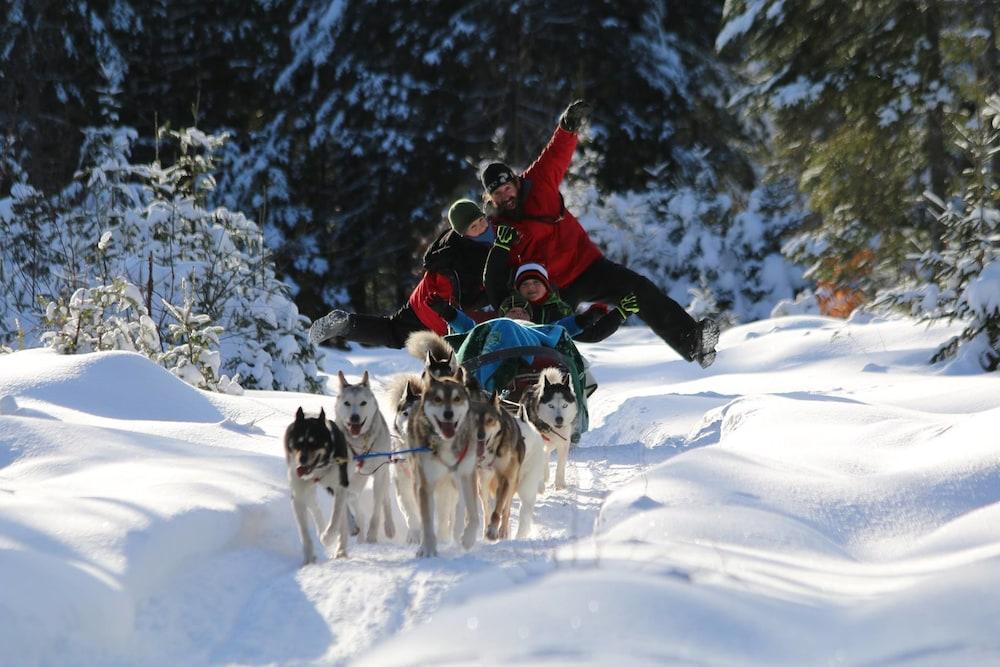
<point>839,297</point>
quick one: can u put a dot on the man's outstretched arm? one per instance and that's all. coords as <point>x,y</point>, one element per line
<point>554,160</point>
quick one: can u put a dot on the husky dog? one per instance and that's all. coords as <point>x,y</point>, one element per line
<point>499,455</point>
<point>530,473</point>
<point>404,394</point>
<point>438,357</point>
<point>440,424</point>
<point>551,405</point>
<point>533,469</point>
<point>316,453</point>
<point>366,432</point>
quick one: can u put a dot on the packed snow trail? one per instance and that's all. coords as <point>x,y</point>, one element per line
<point>819,495</point>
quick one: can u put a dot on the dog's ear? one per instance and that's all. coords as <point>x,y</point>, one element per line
<point>428,359</point>
<point>460,374</point>
<point>300,416</point>
<point>411,393</point>
<point>521,412</point>
<point>322,416</point>
<point>545,381</point>
<point>495,399</point>
<point>343,380</point>
<point>364,379</point>
<point>451,359</point>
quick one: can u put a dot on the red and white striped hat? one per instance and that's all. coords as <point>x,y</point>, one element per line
<point>531,270</point>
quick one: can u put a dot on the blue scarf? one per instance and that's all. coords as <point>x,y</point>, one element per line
<point>489,236</point>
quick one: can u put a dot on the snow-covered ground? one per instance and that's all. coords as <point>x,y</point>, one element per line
<point>819,496</point>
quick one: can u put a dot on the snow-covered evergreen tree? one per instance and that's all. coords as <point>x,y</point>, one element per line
<point>28,260</point>
<point>147,225</point>
<point>703,249</point>
<point>219,255</point>
<point>960,277</point>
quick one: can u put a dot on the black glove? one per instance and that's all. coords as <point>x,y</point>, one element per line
<point>590,316</point>
<point>506,236</point>
<point>574,116</point>
<point>440,305</point>
<point>629,305</point>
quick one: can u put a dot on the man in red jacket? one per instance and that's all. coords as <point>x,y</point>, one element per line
<point>534,226</point>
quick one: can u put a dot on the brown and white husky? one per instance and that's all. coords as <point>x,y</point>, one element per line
<point>439,423</point>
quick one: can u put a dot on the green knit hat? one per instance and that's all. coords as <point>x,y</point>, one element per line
<point>463,213</point>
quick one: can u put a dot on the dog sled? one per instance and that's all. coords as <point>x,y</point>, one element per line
<point>511,369</point>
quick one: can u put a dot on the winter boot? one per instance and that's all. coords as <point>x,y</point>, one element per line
<point>705,354</point>
<point>331,325</point>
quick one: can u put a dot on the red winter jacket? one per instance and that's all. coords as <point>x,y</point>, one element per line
<point>547,232</point>
<point>430,284</point>
<point>453,270</point>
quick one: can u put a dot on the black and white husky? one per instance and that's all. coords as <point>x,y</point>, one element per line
<point>366,432</point>
<point>552,408</point>
<point>316,454</point>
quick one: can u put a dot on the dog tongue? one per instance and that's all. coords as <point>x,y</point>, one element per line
<point>301,470</point>
<point>447,429</point>
<point>355,429</point>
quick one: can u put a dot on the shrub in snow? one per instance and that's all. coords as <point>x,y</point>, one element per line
<point>961,279</point>
<point>194,356</point>
<point>106,317</point>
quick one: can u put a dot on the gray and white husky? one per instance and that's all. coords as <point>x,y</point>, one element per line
<point>366,432</point>
<point>552,408</point>
<point>316,455</point>
<point>440,423</point>
<point>404,393</point>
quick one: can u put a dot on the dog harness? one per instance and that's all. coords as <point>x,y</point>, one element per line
<point>434,445</point>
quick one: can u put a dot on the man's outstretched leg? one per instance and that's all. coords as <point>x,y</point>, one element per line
<point>390,331</point>
<point>607,281</point>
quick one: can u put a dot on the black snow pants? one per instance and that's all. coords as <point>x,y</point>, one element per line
<point>387,331</point>
<point>607,282</point>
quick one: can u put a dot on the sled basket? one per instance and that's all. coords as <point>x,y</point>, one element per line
<point>517,368</point>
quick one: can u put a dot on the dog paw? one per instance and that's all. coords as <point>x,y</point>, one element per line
<point>341,553</point>
<point>492,533</point>
<point>413,537</point>
<point>328,538</point>
<point>469,538</point>
<point>390,529</point>
<point>308,559</point>
<point>427,552</point>
<point>560,485</point>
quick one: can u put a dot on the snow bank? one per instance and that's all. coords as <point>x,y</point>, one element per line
<point>818,495</point>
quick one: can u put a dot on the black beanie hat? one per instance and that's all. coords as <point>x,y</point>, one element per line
<point>463,213</point>
<point>495,175</point>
